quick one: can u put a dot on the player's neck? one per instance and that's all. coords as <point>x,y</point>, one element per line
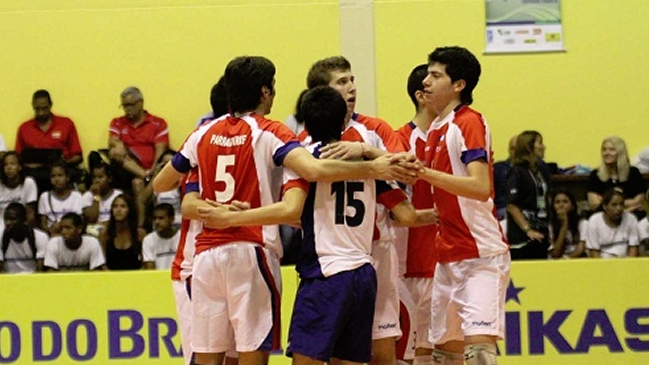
<point>448,109</point>
<point>423,119</point>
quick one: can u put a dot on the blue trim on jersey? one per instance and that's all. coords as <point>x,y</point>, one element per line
<point>473,155</point>
<point>281,152</point>
<point>412,125</point>
<point>308,265</point>
<point>192,187</point>
<point>181,163</point>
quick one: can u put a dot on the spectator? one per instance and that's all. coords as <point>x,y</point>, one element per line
<point>62,199</point>
<point>23,247</point>
<point>48,131</point>
<point>147,198</point>
<point>159,247</point>
<point>98,199</point>
<point>136,141</point>
<point>16,187</point>
<point>528,185</point>
<point>122,245</point>
<point>295,121</point>
<point>613,232</point>
<point>218,101</point>
<point>501,169</point>
<point>72,250</point>
<point>615,171</point>
<point>567,230</point>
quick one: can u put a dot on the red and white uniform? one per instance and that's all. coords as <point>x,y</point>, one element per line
<point>238,158</point>
<point>468,227</point>
<point>416,251</point>
<point>473,258</point>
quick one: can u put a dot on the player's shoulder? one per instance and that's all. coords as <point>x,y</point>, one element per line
<point>465,115</point>
<point>371,123</point>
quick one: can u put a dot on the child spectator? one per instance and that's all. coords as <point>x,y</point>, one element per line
<point>122,245</point>
<point>23,247</point>
<point>612,232</point>
<point>62,199</point>
<point>72,250</point>
<point>98,199</point>
<point>16,187</point>
<point>567,230</point>
<point>147,198</point>
<point>159,247</point>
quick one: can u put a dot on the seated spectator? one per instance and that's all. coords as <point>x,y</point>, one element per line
<point>295,121</point>
<point>528,184</point>
<point>72,250</point>
<point>159,247</point>
<point>23,247</point>
<point>136,141</point>
<point>48,131</point>
<point>62,199</point>
<point>121,243</point>
<point>613,232</point>
<point>96,202</point>
<point>567,230</point>
<point>501,169</point>
<point>148,198</point>
<point>16,187</point>
<point>615,171</point>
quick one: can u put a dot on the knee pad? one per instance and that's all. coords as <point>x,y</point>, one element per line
<point>441,357</point>
<point>480,354</point>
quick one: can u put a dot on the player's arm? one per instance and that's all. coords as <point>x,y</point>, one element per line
<point>313,169</point>
<point>424,217</point>
<point>288,210</point>
<point>344,150</point>
<point>167,179</point>
<point>475,186</point>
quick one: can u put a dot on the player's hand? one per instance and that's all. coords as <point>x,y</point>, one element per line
<point>234,206</point>
<point>342,150</point>
<point>386,169</point>
<point>430,215</point>
<point>214,217</point>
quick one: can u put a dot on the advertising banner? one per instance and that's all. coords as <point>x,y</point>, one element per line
<point>515,26</point>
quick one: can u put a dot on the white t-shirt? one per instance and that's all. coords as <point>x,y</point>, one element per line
<point>3,145</point>
<point>19,257</point>
<point>160,250</point>
<point>612,242</point>
<point>643,229</point>
<point>87,257</point>
<point>54,208</point>
<point>25,193</point>
<point>104,204</point>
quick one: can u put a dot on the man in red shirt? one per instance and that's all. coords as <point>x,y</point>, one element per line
<point>48,131</point>
<point>136,140</point>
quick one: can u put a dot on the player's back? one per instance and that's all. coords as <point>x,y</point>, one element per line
<point>240,158</point>
<point>337,221</point>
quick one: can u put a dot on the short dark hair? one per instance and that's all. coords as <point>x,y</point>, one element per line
<point>324,111</point>
<point>415,82</point>
<point>38,94</point>
<point>76,219</point>
<point>19,209</point>
<point>460,64</point>
<point>219,98</point>
<point>167,208</point>
<point>320,72</point>
<point>244,78</point>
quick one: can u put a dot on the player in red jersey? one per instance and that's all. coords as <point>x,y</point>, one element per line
<point>236,284</point>
<point>468,301</point>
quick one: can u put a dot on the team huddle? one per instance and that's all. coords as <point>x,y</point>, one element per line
<point>391,220</point>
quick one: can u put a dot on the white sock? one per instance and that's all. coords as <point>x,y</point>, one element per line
<point>480,354</point>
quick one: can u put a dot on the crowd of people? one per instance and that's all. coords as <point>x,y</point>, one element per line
<point>394,226</point>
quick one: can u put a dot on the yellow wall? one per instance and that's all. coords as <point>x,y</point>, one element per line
<point>575,99</point>
<point>85,53</point>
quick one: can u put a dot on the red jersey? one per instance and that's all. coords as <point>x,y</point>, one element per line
<point>238,158</point>
<point>187,235</point>
<point>61,135</point>
<point>420,251</point>
<point>468,228</point>
<point>141,140</point>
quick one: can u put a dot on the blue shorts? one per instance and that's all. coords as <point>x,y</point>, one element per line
<point>332,317</point>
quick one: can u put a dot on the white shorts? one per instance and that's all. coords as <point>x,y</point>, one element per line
<point>386,312</point>
<point>469,298</point>
<point>184,311</point>
<point>420,291</point>
<point>236,292</point>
